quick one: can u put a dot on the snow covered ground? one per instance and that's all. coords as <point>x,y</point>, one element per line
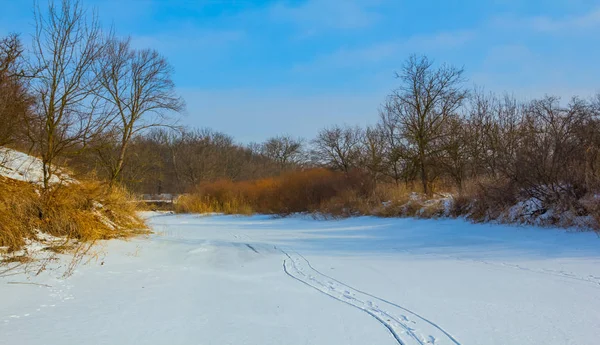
<point>23,167</point>
<point>235,280</point>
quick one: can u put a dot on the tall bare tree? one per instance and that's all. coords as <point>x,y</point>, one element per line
<point>455,157</point>
<point>339,147</point>
<point>139,86</point>
<point>398,157</point>
<point>66,45</point>
<point>284,150</point>
<point>373,152</point>
<point>427,97</point>
<point>14,99</point>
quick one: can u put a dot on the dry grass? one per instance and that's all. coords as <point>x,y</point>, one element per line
<point>294,192</point>
<point>333,195</point>
<point>19,204</point>
<point>89,211</point>
<point>347,204</point>
<point>21,259</point>
<point>318,191</point>
<point>81,212</point>
<point>202,204</point>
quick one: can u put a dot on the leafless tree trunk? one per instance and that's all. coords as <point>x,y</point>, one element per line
<point>373,145</point>
<point>455,155</point>
<point>284,150</point>
<point>338,147</point>
<point>65,47</point>
<point>138,85</point>
<point>422,104</point>
<point>15,101</point>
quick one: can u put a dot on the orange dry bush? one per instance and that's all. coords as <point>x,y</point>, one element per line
<point>83,211</point>
<point>18,213</point>
<point>310,190</point>
<point>89,211</point>
<point>291,192</point>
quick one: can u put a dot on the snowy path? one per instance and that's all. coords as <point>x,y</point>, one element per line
<point>410,330</point>
<point>235,280</point>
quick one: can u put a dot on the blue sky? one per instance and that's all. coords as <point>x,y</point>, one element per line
<point>255,69</point>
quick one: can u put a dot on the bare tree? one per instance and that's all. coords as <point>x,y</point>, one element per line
<point>201,155</point>
<point>590,135</point>
<point>138,84</point>
<point>339,147</point>
<point>373,152</point>
<point>398,157</point>
<point>284,150</point>
<point>550,159</point>
<point>66,45</point>
<point>14,99</point>
<point>455,157</point>
<point>502,135</point>
<point>422,104</point>
<point>477,118</point>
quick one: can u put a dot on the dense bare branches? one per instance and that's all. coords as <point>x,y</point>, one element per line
<point>339,147</point>
<point>426,98</point>
<point>138,86</point>
<point>284,150</point>
<point>373,152</point>
<point>176,161</point>
<point>79,91</point>
<point>15,102</point>
<point>66,45</point>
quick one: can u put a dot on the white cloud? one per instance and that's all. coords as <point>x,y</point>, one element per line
<point>316,15</point>
<point>378,53</point>
<point>548,24</point>
<point>585,21</point>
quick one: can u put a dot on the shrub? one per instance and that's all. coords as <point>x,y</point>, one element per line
<point>292,192</point>
<point>88,211</point>
<point>196,203</point>
<point>84,211</point>
<point>18,212</point>
<point>486,200</point>
<point>348,203</point>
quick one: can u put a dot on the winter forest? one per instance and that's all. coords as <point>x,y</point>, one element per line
<point>82,98</point>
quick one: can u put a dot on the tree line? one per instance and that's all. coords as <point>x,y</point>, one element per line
<point>79,88</point>
<point>433,130</point>
<point>85,97</point>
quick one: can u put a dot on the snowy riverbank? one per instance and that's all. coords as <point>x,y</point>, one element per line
<point>257,280</point>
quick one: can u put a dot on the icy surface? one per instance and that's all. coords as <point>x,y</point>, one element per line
<point>233,280</point>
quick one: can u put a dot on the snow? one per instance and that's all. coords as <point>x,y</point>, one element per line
<point>35,247</point>
<point>259,280</point>
<point>23,167</point>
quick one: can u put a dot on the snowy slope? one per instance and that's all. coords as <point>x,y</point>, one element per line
<point>229,280</point>
<point>23,167</point>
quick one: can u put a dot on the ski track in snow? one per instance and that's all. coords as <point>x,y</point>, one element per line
<point>407,327</point>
